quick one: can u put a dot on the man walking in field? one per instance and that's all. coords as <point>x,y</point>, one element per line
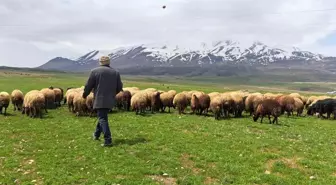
<point>105,83</point>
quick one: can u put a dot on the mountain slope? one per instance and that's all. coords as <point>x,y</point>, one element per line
<point>221,53</point>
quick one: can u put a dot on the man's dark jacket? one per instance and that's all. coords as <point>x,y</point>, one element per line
<point>106,83</point>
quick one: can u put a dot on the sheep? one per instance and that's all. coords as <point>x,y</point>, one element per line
<point>296,95</point>
<point>156,103</point>
<point>58,96</point>
<point>17,99</point>
<point>314,99</point>
<point>34,102</point>
<point>190,93</point>
<point>323,106</point>
<point>172,92</point>
<point>287,104</point>
<point>298,106</point>
<point>216,106</point>
<point>151,89</point>
<point>4,102</point>
<point>200,103</point>
<point>250,103</point>
<point>79,104</point>
<point>214,95</point>
<point>180,102</point>
<point>89,103</point>
<point>123,99</point>
<point>49,97</point>
<point>227,104</point>
<point>238,106</point>
<point>70,97</point>
<point>132,90</point>
<point>167,100</point>
<point>139,102</point>
<point>267,107</point>
<point>62,92</point>
<point>269,96</point>
<point>310,101</point>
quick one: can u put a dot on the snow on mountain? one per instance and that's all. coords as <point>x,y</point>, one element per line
<point>220,52</point>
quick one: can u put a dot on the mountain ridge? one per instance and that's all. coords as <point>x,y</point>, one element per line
<point>219,53</point>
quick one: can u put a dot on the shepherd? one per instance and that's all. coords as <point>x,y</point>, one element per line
<point>105,82</point>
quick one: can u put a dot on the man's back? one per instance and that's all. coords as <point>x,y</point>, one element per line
<point>106,83</point>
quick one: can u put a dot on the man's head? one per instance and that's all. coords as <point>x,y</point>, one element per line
<point>104,60</point>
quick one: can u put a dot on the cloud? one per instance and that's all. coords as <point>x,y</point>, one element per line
<point>43,29</point>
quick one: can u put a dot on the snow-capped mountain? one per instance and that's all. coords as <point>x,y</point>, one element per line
<point>218,53</point>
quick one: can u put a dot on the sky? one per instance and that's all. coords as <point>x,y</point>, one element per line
<point>35,31</point>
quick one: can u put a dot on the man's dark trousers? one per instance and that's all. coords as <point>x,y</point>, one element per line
<point>103,126</point>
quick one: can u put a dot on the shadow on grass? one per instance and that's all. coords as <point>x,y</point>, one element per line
<point>129,142</point>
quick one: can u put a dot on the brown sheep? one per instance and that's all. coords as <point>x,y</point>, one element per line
<point>17,99</point>
<point>70,97</point>
<point>216,106</point>
<point>287,104</point>
<point>180,102</point>
<point>123,99</point>
<point>296,95</point>
<point>227,104</point>
<point>298,106</point>
<point>89,104</point>
<point>4,102</point>
<point>58,96</point>
<point>33,103</point>
<point>132,90</point>
<point>62,93</point>
<point>238,106</point>
<point>268,107</point>
<point>139,102</point>
<point>214,95</point>
<point>79,103</point>
<point>250,102</point>
<point>156,103</point>
<point>167,100</point>
<point>49,97</point>
<point>200,103</point>
<point>269,96</point>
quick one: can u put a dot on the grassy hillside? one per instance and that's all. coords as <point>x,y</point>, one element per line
<point>163,148</point>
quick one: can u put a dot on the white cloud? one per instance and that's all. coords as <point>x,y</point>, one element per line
<point>43,29</point>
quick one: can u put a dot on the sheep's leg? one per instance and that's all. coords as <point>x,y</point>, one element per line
<point>5,113</point>
<point>328,115</point>
<point>269,118</point>
<point>169,109</point>
<point>262,117</point>
<point>14,106</point>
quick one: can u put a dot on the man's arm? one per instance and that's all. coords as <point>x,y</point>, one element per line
<point>89,85</point>
<point>119,83</point>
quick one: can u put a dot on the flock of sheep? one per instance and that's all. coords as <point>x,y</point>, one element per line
<point>221,105</point>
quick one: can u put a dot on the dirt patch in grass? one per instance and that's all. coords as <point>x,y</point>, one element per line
<point>164,180</point>
<point>210,180</point>
<point>187,163</point>
<point>289,162</point>
<point>28,168</point>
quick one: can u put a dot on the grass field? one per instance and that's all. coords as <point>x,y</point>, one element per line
<point>161,148</point>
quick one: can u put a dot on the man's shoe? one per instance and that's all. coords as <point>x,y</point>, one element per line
<point>106,145</point>
<point>94,137</point>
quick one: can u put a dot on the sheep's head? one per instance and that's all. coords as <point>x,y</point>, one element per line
<point>255,117</point>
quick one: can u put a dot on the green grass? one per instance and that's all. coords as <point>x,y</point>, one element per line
<point>58,149</point>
